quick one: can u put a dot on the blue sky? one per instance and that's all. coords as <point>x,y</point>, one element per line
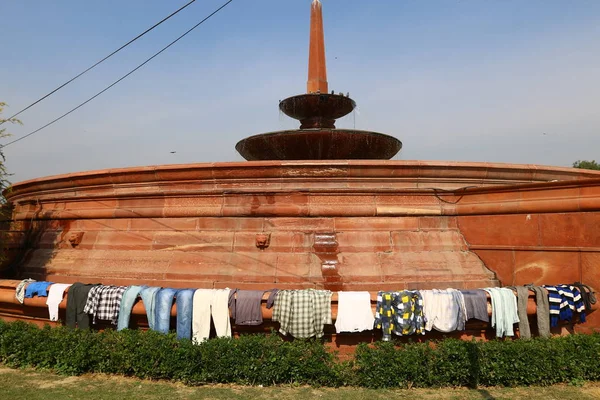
<point>463,80</point>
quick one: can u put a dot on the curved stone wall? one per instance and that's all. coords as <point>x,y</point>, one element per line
<point>351,225</point>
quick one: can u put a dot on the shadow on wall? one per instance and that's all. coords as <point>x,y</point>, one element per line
<point>18,240</point>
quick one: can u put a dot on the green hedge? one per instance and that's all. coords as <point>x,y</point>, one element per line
<point>269,360</point>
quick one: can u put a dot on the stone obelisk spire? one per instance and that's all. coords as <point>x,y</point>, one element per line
<point>317,69</point>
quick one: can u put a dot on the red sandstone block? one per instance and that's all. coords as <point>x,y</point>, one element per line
<point>312,185</point>
<point>361,267</point>
<point>559,193</point>
<point>297,272</point>
<point>544,267</point>
<point>318,169</point>
<point>377,224</point>
<point>342,205</point>
<point>131,175</point>
<point>287,242</point>
<point>193,241</point>
<point>428,223</point>
<point>163,224</point>
<point>112,240</point>
<point>411,200</point>
<point>101,225</point>
<point>266,205</point>
<point>199,271</point>
<point>136,203</point>
<point>225,171</point>
<point>96,192</point>
<point>171,173</point>
<point>231,224</point>
<point>590,273</point>
<point>298,267</point>
<point>88,241</point>
<point>379,184</point>
<point>503,230</point>
<point>82,214</point>
<point>50,239</point>
<point>364,241</point>
<point>201,258</point>
<point>573,229</point>
<point>146,212</point>
<point>501,262</point>
<point>264,286</point>
<point>299,224</point>
<point>89,205</point>
<point>428,241</point>
<point>248,186</point>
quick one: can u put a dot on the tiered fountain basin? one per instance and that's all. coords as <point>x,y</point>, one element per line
<point>339,225</point>
<point>319,144</point>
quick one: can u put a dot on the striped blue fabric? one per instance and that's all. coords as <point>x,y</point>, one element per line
<point>565,301</point>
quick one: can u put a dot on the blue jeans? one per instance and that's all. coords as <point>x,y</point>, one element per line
<point>149,298</point>
<point>162,311</point>
<point>129,297</point>
<point>184,301</point>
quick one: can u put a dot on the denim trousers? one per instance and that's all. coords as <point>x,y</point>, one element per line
<point>149,298</point>
<point>129,297</point>
<point>184,301</point>
<point>162,311</point>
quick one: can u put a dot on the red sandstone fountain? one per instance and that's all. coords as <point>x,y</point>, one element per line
<point>317,110</point>
<point>329,221</point>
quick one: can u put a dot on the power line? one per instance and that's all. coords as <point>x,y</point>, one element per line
<point>120,79</point>
<point>99,62</point>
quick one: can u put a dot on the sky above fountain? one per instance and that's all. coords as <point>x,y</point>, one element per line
<point>508,81</point>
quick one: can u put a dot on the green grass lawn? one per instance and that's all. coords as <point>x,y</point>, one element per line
<point>32,385</point>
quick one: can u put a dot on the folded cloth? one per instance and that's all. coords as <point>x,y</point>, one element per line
<point>504,311</point>
<point>37,289</point>
<point>542,310</point>
<point>20,291</point>
<point>55,297</point>
<point>245,306</point>
<point>354,312</point>
<point>476,304</point>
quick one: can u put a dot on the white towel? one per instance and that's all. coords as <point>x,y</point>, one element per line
<point>55,297</point>
<point>354,312</point>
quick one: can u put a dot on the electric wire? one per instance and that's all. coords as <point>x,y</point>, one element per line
<point>120,79</point>
<point>99,62</point>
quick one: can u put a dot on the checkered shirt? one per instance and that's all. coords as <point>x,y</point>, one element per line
<point>103,302</point>
<point>302,313</point>
<point>409,313</point>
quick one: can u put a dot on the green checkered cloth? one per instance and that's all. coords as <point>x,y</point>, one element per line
<point>302,313</point>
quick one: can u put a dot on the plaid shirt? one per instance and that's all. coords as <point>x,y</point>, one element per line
<point>302,313</point>
<point>103,302</point>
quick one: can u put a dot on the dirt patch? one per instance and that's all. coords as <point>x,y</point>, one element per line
<point>45,384</point>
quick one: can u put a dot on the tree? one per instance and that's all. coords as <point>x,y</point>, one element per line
<point>4,183</point>
<point>5,209</point>
<point>585,164</point>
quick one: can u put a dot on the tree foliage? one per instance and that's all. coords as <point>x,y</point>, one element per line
<point>585,164</point>
<point>3,134</point>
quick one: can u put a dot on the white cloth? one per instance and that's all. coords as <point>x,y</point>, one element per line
<point>55,297</point>
<point>354,312</point>
<point>443,310</point>
<point>209,302</point>
<point>504,310</point>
